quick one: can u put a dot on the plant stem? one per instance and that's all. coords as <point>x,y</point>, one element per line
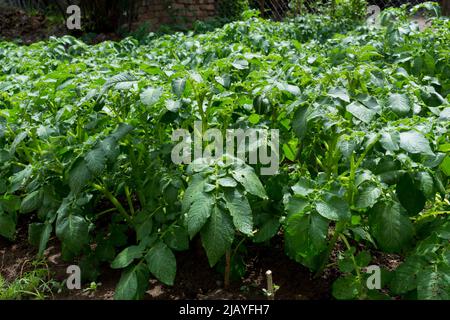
<point>351,182</point>
<point>358,273</point>
<point>337,231</point>
<point>105,212</point>
<point>114,201</point>
<point>130,202</point>
<point>227,269</point>
<point>355,166</point>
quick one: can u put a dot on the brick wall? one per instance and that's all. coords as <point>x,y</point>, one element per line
<point>184,12</point>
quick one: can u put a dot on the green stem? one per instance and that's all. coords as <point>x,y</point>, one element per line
<point>358,272</point>
<point>114,201</point>
<point>19,164</point>
<point>364,154</point>
<point>339,227</point>
<point>200,101</point>
<point>237,247</point>
<point>130,202</point>
<point>105,212</point>
<point>431,214</point>
<point>355,166</point>
<point>168,228</point>
<point>331,156</point>
<point>351,182</point>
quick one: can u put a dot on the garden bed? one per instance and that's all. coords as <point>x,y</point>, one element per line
<point>358,116</point>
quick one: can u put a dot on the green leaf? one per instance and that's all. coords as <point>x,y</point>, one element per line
<point>267,231</point>
<point>445,115</point>
<point>44,132</point>
<point>199,213</point>
<point>7,225</point>
<point>120,81</point>
<point>162,263</point>
<point>292,89</point>
<point>411,198</point>
<point>240,64</point>
<point>340,93</point>
<point>399,103</point>
<point>390,141</point>
<point>405,276</point>
<point>300,122</point>
<point>227,182</point>
<point>346,264</point>
<point>333,208</point>
<point>31,202</point>
<point>363,234</point>
<point>105,251</point>
<point>177,238</point>
<point>289,152</point>
<point>122,130</point>
<point>95,161</point>
<point>18,179</point>
<point>305,235</point>
<point>304,187</point>
<point>143,225</point>
<point>445,166</point>
<point>126,257</point>
<point>347,145</point>
<point>4,155</point>
<point>254,118</point>
<point>391,229</point>
<point>39,234</point>
<point>240,210</point>
<point>178,87</point>
<point>296,205</point>
<point>431,97</point>
<point>345,260</point>
<point>150,96</point>
<point>361,112</point>
<point>73,231</point>
<point>79,176</point>
<point>224,80</point>
<point>367,196</point>
<point>346,288</point>
<point>196,186</point>
<point>133,283</point>
<point>217,235</point>
<point>414,142</point>
<point>109,148</point>
<point>363,259</point>
<point>433,283</point>
<point>247,177</point>
<point>173,105</point>
<point>17,141</point>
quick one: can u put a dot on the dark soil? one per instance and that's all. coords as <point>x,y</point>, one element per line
<point>19,26</point>
<point>195,279</point>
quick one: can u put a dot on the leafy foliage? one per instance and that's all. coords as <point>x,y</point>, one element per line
<point>363,115</point>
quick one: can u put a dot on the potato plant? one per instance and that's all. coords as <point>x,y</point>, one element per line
<point>363,114</point>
